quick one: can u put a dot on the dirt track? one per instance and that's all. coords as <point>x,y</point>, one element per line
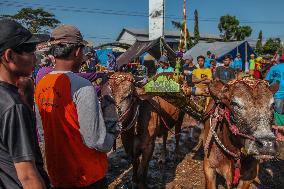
<point>185,173</point>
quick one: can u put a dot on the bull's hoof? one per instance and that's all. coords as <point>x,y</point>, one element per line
<point>138,186</point>
<point>162,158</point>
<point>161,163</point>
<point>134,186</point>
<point>178,157</point>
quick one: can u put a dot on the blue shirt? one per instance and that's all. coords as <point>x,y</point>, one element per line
<point>237,64</point>
<point>161,70</point>
<point>276,73</point>
<point>207,63</point>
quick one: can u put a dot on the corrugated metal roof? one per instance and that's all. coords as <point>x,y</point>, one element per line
<point>218,48</point>
<point>176,34</point>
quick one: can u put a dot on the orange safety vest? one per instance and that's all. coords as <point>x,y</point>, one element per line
<point>70,163</point>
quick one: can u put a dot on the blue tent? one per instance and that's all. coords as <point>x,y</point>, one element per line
<point>102,55</point>
<point>221,49</point>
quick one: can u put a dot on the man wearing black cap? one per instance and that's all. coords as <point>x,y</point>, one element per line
<point>21,164</point>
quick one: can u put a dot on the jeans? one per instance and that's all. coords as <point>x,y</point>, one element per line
<point>278,105</point>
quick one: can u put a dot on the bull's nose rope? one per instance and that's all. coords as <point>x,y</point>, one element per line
<point>233,128</point>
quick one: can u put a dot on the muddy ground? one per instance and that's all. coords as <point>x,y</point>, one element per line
<point>185,172</point>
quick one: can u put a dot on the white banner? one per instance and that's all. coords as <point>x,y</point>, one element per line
<point>156,19</point>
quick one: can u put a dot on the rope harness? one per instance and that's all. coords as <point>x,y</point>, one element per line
<point>162,115</point>
<point>217,119</point>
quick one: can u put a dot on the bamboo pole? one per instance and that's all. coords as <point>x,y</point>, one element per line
<point>180,40</point>
<point>184,16</point>
<point>246,58</point>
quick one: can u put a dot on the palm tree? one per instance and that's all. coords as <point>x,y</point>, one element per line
<point>180,26</point>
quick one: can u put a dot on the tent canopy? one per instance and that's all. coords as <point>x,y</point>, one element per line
<point>220,49</point>
<point>152,47</point>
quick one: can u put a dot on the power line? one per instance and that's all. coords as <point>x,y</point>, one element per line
<point>72,10</point>
<point>73,7</point>
<point>84,8</point>
<point>118,12</point>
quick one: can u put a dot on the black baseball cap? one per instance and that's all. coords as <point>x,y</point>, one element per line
<point>14,34</point>
<point>228,56</point>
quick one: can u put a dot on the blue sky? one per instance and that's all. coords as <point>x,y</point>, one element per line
<point>97,20</point>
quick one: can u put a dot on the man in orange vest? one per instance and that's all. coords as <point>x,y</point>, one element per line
<point>76,135</point>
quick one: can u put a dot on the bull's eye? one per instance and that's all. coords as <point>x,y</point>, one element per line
<point>235,104</point>
<point>272,106</point>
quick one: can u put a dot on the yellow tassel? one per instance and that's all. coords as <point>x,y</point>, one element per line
<point>244,151</point>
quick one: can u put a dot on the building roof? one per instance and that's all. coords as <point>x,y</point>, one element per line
<point>143,34</point>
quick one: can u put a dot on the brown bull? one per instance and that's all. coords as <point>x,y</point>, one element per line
<point>238,133</point>
<point>142,121</point>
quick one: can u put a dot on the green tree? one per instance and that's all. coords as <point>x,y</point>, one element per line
<point>272,45</point>
<point>196,27</point>
<point>180,26</point>
<point>242,32</point>
<point>230,28</point>
<point>258,47</point>
<point>36,20</point>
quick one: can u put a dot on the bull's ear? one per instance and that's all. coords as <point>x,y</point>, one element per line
<point>274,87</point>
<point>219,91</point>
<point>106,90</point>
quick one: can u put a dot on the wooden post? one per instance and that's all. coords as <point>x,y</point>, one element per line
<point>246,49</point>
<point>237,47</point>
<point>246,58</point>
<point>180,40</point>
<point>185,28</point>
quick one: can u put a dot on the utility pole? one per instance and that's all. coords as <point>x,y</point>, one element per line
<point>163,19</point>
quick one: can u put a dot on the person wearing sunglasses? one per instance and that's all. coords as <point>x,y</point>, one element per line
<point>21,164</point>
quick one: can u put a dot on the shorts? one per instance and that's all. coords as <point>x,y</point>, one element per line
<point>100,184</point>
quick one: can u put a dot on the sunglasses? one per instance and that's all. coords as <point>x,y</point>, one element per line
<point>25,48</point>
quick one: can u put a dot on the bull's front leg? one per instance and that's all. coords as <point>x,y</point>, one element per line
<point>134,155</point>
<point>249,171</point>
<point>210,175</point>
<point>135,179</point>
<point>177,136</point>
<point>162,158</point>
<point>144,164</point>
